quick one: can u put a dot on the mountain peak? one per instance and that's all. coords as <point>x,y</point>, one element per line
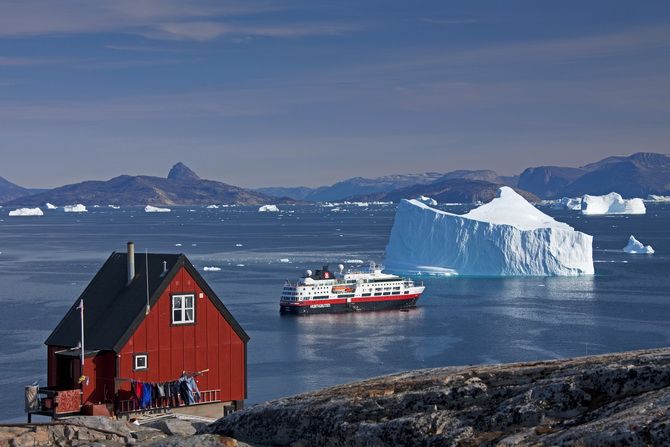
<point>182,172</point>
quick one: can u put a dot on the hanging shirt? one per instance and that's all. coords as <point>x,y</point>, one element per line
<point>194,389</point>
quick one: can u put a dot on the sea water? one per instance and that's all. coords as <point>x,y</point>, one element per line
<point>45,263</point>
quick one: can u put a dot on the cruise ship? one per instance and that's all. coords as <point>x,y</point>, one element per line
<point>323,291</point>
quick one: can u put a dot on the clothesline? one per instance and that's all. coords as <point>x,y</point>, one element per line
<point>184,373</point>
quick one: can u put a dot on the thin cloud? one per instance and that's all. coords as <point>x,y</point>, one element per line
<point>453,21</point>
<point>198,21</point>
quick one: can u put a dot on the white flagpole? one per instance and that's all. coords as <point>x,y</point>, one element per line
<point>81,311</point>
<point>146,273</point>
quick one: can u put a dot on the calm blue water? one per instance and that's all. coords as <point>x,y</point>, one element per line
<point>47,261</point>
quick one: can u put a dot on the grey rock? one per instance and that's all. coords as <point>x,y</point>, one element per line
<point>173,426</point>
<point>616,399</point>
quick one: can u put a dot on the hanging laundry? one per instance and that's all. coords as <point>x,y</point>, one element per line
<point>146,395</point>
<point>193,388</point>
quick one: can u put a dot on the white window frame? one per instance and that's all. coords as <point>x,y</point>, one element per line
<point>146,362</point>
<point>183,308</point>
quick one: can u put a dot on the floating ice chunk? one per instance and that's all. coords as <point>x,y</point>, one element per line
<point>114,207</point>
<point>239,265</point>
<point>78,208</point>
<point>505,237</point>
<point>268,209</point>
<point>212,207</point>
<point>177,245</point>
<point>427,200</point>
<point>636,247</point>
<point>23,212</point>
<point>212,269</point>
<point>155,209</point>
<point>382,203</point>
<point>567,203</point>
<point>611,203</point>
<point>354,261</point>
<point>285,260</point>
<point>238,245</point>
<point>51,206</point>
<point>655,198</point>
<point>362,204</point>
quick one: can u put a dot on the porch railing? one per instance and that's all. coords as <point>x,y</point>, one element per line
<point>161,403</point>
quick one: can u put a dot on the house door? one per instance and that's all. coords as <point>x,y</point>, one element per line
<point>66,372</point>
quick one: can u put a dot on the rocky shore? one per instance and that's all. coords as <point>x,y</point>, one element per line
<point>615,399</point>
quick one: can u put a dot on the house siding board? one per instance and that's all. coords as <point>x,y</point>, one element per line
<point>205,344</point>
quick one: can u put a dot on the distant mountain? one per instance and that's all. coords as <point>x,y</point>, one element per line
<point>182,187</point>
<point>485,175</point>
<point>637,175</point>
<point>182,172</point>
<point>10,191</point>
<point>359,186</point>
<point>548,181</point>
<point>455,190</point>
<point>297,192</point>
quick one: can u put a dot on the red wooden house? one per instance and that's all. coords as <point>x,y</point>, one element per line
<point>154,323</point>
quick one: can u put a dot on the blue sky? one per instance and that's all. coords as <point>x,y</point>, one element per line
<point>261,93</point>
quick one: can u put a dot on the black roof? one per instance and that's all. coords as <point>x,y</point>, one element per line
<point>114,310</point>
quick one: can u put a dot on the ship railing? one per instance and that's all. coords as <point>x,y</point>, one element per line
<point>164,403</point>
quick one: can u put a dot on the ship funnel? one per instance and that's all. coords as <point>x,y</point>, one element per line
<point>131,262</point>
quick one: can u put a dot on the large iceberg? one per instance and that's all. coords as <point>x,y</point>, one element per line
<point>611,203</point>
<point>505,237</point>
<point>636,247</point>
<point>78,208</point>
<point>26,212</point>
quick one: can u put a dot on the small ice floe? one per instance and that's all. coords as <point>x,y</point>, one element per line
<point>212,269</point>
<point>78,208</point>
<point>239,265</point>
<point>268,209</point>
<point>656,198</point>
<point>238,245</point>
<point>50,206</point>
<point>212,207</point>
<point>354,261</point>
<point>361,204</point>
<point>155,209</point>
<point>96,206</point>
<point>335,210</point>
<point>23,212</point>
<point>114,207</point>
<point>636,247</point>
<point>177,245</point>
<point>427,200</point>
<point>285,260</point>
<point>194,245</point>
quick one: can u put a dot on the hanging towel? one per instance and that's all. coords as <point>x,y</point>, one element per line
<point>160,390</point>
<point>146,395</point>
<point>137,390</point>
